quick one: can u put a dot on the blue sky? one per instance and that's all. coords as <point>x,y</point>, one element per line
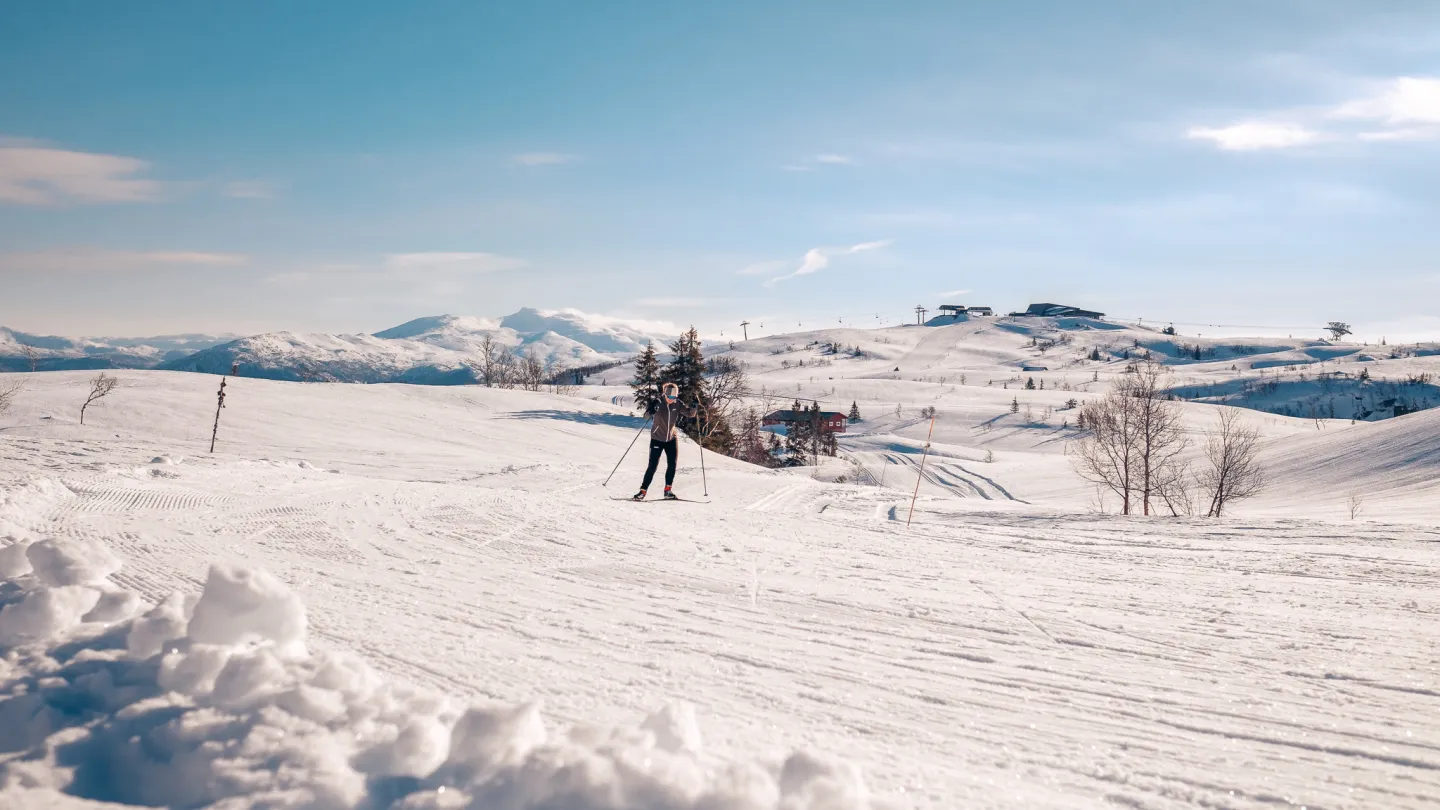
<point>169,167</point>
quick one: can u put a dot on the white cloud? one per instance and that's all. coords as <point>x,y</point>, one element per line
<point>836,160</point>
<point>817,259</point>
<point>1406,100</point>
<point>543,158</point>
<point>462,262</point>
<point>250,190</point>
<point>1254,135</point>
<point>65,260</point>
<point>32,174</point>
<point>951,293</point>
<point>1404,109</point>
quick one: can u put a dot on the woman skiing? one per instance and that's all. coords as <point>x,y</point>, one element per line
<point>663,437</point>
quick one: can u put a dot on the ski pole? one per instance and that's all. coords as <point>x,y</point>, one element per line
<point>922,472</point>
<point>703,481</point>
<point>626,453</point>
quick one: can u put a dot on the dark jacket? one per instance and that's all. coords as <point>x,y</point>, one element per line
<point>666,417</point>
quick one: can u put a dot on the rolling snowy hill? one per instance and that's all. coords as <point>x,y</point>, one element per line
<point>457,614</point>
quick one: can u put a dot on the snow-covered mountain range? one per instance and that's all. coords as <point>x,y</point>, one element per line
<point>434,350</point>
<point>49,353</point>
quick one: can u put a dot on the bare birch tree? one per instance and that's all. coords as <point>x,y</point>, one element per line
<point>1107,457</point>
<point>1161,438</point>
<point>8,392</point>
<point>531,371</point>
<point>100,387</point>
<point>33,355</point>
<point>1234,472</point>
<point>489,360</point>
<point>1135,443</point>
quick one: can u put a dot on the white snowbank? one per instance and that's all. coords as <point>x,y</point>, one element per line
<point>214,701</point>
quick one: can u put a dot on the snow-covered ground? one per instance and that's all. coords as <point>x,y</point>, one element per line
<point>480,616</point>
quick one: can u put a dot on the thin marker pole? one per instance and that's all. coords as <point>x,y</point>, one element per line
<point>922,471</point>
<point>703,480</point>
<point>627,452</point>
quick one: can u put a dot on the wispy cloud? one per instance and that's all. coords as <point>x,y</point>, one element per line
<point>288,280</point>
<point>952,293</point>
<point>1254,135</point>
<point>543,158</point>
<point>461,262</point>
<point>813,162</point>
<point>1397,110</point>
<point>676,302</point>
<point>817,259</point>
<point>764,268</point>
<point>67,260</point>
<point>250,189</point>
<point>34,174</point>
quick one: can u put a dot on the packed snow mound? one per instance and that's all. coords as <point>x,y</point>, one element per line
<point>215,700</point>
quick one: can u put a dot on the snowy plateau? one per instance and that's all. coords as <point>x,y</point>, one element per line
<point>421,596</point>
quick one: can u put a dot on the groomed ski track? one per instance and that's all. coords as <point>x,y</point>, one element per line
<point>1022,658</point>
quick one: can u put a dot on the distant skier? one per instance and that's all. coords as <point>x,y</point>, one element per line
<point>663,438</point>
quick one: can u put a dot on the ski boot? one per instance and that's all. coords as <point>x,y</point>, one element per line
<point>639,496</point>
<point>670,495</point>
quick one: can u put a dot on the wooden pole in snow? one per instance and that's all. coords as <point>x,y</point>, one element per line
<point>218,406</point>
<point>922,471</point>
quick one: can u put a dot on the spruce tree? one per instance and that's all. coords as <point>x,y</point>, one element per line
<point>854,412</point>
<point>1030,384</point>
<point>647,379</point>
<point>687,370</point>
<point>797,436</point>
<point>1015,405</point>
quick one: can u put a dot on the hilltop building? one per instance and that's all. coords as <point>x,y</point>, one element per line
<point>1056,311</point>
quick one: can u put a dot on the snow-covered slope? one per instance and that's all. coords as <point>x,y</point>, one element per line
<point>455,602</point>
<point>1299,378</point>
<point>435,350</point>
<point>58,353</point>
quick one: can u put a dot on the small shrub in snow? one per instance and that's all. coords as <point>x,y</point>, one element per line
<point>100,387</point>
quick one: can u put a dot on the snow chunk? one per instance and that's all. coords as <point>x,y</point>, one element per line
<point>214,702</point>
<point>13,561</point>
<point>72,561</point>
<point>240,606</point>
<point>161,624</point>
<point>45,612</point>
<point>675,729</point>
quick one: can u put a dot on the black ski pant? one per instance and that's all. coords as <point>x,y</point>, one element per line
<point>656,448</point>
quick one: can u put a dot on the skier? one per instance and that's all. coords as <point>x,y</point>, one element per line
<point>663,438</point>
